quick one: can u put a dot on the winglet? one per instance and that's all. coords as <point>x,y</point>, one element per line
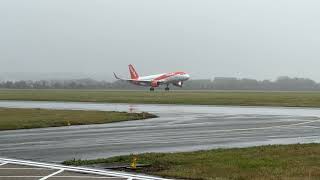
<point>115,75</point>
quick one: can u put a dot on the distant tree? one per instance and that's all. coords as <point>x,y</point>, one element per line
<point>219,83</point>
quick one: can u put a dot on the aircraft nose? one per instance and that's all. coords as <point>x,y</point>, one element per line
<point>187,76</point>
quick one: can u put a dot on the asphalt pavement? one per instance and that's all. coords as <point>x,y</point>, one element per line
<point>14,169</point>
<point>179,128</point>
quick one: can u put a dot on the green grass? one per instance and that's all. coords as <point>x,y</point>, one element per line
<point>265,162</point>
<point>11,119</point>
<point>293,99</point>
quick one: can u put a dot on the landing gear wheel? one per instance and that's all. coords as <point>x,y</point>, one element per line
<point>167,88</point>
<point>151,89</point>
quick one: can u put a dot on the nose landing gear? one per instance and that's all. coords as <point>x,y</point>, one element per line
<point>151,89</point>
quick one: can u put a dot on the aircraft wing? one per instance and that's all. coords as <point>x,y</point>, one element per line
<point>132,80</point>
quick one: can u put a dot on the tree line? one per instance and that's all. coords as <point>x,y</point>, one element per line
<point>219,83</point>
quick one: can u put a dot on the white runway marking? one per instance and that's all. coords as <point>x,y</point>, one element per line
<point>61,168</point>
<point>2,164</point>
<point>53,174</point>
<point>269,127</point>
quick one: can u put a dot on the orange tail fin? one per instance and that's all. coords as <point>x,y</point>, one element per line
<point>133,72</point>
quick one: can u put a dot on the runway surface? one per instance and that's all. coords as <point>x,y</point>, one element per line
<point>13,169</point>
<point>179,128</point>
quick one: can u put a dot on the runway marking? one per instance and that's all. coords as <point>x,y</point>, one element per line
<point>81,169</point>
<point>262,128</point>
<point>312,127</point>
<point>4,163</point>
<point>53,174</point>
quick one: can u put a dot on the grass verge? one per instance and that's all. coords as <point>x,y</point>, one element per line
<point>292,99</point>
<point>11,118</point>
<point>299,161</point>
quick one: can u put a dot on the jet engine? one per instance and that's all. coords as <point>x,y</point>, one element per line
<point>154,84</point>
<point>178,84</point>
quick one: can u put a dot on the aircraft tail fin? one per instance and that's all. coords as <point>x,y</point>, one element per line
<point>133,72</point>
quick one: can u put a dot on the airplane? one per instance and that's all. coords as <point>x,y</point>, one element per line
<point>153,81</point>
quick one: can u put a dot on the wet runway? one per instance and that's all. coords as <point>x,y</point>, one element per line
<point>13,169</point>
<point>179,128</point>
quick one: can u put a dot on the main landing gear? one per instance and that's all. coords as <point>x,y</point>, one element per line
<point>166,89</point>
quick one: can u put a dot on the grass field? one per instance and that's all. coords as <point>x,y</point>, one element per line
<point>292,99</point>
<point>11,119</point>
<point>295,162</point>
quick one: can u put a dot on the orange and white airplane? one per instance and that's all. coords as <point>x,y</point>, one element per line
<point>153,81</point>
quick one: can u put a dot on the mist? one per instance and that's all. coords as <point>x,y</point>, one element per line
<point>206,38</point>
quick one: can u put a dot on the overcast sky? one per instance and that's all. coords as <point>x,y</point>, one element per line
<point>259,39</point>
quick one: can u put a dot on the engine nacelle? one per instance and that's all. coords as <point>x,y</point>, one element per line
<point>178,84</point>
<point>154,84</point>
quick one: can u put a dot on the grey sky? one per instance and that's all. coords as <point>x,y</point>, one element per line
<point>259,39</point>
